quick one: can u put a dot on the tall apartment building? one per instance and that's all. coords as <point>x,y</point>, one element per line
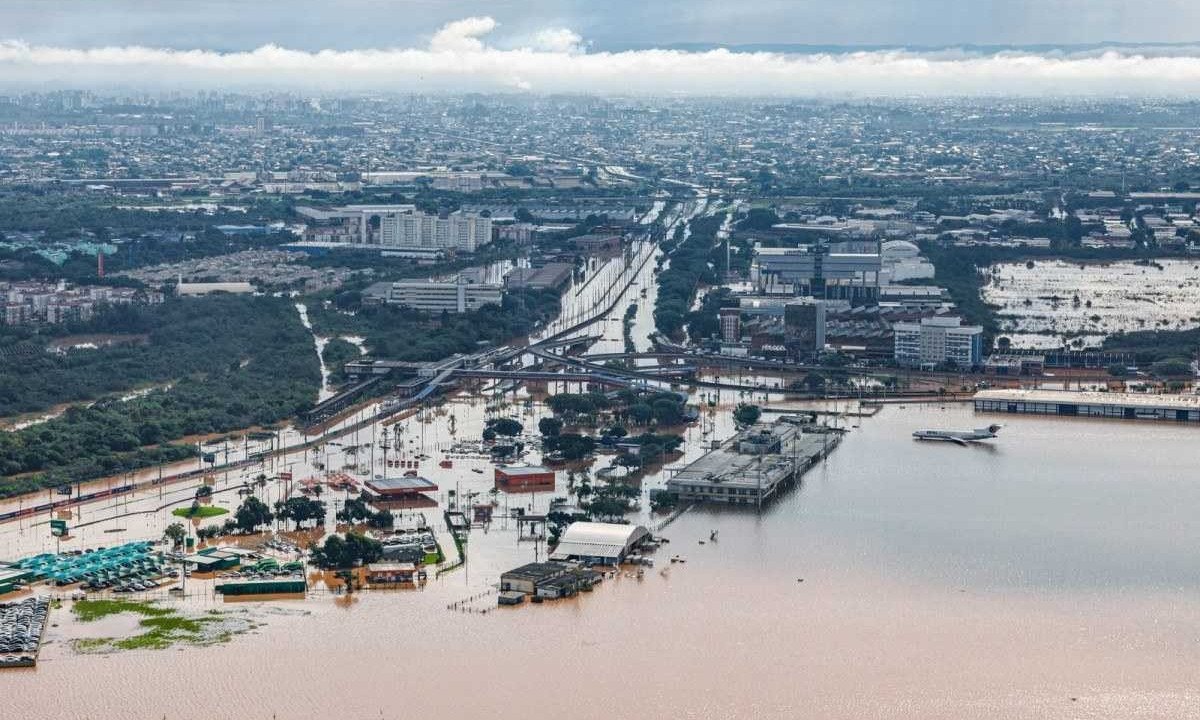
<point>464,233</point>
<point>937,341</point>
<point>396,227</point>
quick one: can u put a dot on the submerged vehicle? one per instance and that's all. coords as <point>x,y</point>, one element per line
<point>960,437</point>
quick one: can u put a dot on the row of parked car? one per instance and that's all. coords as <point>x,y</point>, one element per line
<point>21,625</point>
<point>134,583</point>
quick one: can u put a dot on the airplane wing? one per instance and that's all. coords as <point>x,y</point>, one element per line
<point>959,440</point>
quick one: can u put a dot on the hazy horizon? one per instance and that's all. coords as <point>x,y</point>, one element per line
<point>764,47</point>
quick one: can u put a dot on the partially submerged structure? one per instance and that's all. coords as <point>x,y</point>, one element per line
<point>752,466</point>
<point>593,543</point>
<point>546,580</point>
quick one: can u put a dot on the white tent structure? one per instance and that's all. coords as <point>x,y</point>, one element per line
<point>598,543</point>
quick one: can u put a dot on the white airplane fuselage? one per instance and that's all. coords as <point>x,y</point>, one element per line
<point>961,437</point>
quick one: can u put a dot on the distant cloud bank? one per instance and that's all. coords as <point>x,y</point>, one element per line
<point>459,58</point>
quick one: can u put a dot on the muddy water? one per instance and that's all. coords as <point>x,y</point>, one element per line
<point>1058,302</point>
<point>1050,576</point>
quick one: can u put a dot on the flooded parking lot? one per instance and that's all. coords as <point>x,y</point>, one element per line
<point>1058,302</point>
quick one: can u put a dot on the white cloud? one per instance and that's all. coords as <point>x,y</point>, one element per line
<point>462,35</point>
<point>458,58</point>
<point>558,40</point>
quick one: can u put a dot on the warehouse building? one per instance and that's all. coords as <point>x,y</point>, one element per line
<point>1121,406</point>
<point>524,478</point>
<point>267,586</point>
<point>593,543</point>
<point>548,580</point>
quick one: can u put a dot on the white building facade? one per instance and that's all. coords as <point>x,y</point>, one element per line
<point>938,341</point>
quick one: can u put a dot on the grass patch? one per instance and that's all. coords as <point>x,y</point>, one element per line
<point>162,627</point>
<point>202,511</point>
<point>89,610</point>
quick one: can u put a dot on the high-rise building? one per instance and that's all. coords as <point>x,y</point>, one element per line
<point>938,341</point>
<point>804,328</point>
<point>464,233</point>
<point>731,324</point>
<point>396,227</point>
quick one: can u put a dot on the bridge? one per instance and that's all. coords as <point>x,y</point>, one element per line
<point>546,376</point>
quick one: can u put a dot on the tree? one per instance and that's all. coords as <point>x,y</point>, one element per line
<point>300,510</point>
<point>1172,367</point>
<point>746,414</point>
<point>549,426</point>
<point>573,446</point>
<point>668,412</point>
<point>505,426</point>
<point>383,519</point>
<point>339,553</point>
<point>252,514</point>
<point>607,507</point>
<point>641,413</point>
<point>176,533</point>
<point>617,431</point>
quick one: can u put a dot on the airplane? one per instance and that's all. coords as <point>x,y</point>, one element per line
<point>961,437</point>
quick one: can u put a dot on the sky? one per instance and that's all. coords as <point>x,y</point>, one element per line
<point>607,46</point>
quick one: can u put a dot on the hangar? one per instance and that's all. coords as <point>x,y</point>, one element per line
<point>599,543</point>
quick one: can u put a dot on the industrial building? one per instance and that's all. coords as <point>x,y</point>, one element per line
<point>547,580</point>
<point>394,573</point>
<point>752,466</point>
<point>938,340</point>
<point>262,586</point>
<point>1121,406</point>
<point>396,488</point>
<point>593,543</point>
<point>456,296</point>
<point>524,478</point>
<point>213,559</point>
<point>839,271</point>
<point>551,276</point>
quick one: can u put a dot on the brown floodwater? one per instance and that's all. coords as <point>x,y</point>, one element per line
<point>1052,575</point>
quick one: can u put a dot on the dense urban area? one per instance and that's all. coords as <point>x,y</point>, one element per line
<point>284,347</point>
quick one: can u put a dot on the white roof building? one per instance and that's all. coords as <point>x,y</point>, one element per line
<point>600,543</point>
